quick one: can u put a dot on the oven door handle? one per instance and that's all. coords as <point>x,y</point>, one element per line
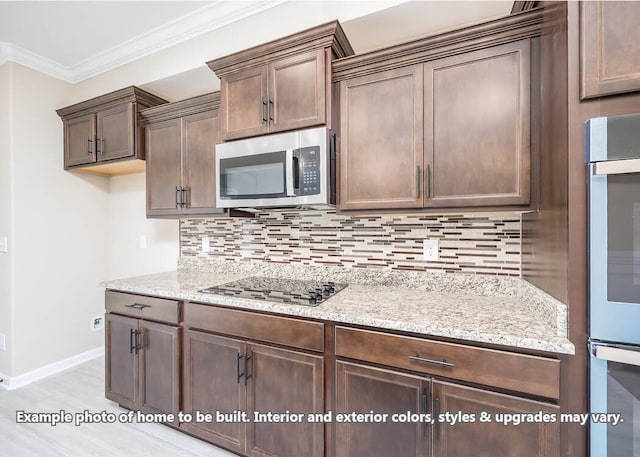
<point>616,167</point>
<point>614,353</point>
<point>290,173</point>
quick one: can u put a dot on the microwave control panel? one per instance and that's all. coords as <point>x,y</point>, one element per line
<point>309,171</point>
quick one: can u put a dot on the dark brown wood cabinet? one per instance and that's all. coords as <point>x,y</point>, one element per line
<point>531,438</point>
<point>362,389</point>
<point>477,128</point>
<point>365,388</point>
<point>180,155</point>
<point>381,150</point>
<point>234,375</point>
<point>609,48</point>
<point>454,133</point>
<point>142,369</point>
<point>281,85</point>
<point>103,136</point>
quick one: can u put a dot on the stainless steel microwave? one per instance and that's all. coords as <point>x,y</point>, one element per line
<point>286,169</point>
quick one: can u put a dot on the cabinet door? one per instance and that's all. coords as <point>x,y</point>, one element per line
<point>609,48</point>
<point>211,384</point>
<point>159,368</point>
<point>280,381</point>
<point>477,128</point>
<point>200,133</point>
<point>494,439</point>
<point>116,132</point>
<point>79,140</point>
<point>363,389</point>
<point>244,103</point>
<point>121,362</point>
<point>163,142</point>
<point>381,146</point>
<point>297,92</point>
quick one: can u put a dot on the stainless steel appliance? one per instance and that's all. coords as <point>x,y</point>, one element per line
<point>286,169</point>
<point>309,293</point>
<point>613,156</point>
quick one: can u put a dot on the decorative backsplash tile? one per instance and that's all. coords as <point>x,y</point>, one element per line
<point>482,244</point>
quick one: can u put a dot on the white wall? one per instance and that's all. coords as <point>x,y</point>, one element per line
<point>127,217</point>
<point>6,219</point>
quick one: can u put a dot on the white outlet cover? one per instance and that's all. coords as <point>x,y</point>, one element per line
<point>143,241</point>
<point>430,249</point>
<point>4,244</point>
<point>2,343</point>
<point>97,323</point>
<point>206,247</point>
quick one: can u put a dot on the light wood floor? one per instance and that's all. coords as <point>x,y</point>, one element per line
<point>76,390</point>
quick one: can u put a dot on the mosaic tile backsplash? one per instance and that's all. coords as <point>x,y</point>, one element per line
<point>470,244</point>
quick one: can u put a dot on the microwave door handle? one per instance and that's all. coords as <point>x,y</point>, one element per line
<point>290,173</point>
<point>615,354</point>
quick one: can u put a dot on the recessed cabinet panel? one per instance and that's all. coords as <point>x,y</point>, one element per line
<point>296,90</point>
<point>163,166</point>
<point>363,389</point>
<point>116,132</point>
<point>609,48</point>
<point>477,128</point>
<point>200,135</point>
<point>79,136</point>
<point>245,103</point>
<point>527,439</point>
<point>381,140</point>
<point>282,380</point>
<point>121,368</point>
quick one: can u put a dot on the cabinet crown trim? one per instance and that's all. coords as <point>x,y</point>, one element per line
<point>507,29</point>
<point>174,110</point>
<point>128,94</point>
<point>323,36</point>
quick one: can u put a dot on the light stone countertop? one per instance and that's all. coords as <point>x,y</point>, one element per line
<point>485,309</point>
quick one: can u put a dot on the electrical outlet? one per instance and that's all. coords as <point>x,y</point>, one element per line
<point>4,244</point>
<point>143,241</point>
<point>430,250</point>
<point>97,323</point>
<point>2,343</point>
<point>206,247</point>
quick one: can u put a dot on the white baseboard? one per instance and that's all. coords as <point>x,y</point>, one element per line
<point>11,383</point>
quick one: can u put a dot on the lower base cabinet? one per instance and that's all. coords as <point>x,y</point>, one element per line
<point>231,378</point>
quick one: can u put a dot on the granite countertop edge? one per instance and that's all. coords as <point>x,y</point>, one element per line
<point>344,308</point>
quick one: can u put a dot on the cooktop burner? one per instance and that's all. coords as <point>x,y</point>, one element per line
<point>309,293</point>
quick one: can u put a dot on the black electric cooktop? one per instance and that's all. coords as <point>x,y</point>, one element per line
<point>309,293</point>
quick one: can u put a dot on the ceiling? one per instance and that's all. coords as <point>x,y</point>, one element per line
<point>76,40</point>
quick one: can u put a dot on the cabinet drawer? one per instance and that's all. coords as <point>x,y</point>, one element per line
<point>261,327</point>
<point>524,373</point>
<point>157,309</point>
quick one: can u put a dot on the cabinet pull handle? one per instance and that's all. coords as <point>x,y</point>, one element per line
<point>178,197</point>
<point>137,306</point>
<point>99,150</point>
<point>436,413</point>
<point>427,180</point>
<point>238,374</point>
<point>270,110</point>
<point>186,192</point>
<point>247,358</point>
<point>443,363</point>
<point>131,345</point>
<point>263,113</point>
<point>138,344</point>
<point>425,410</point>
<point>89,141</point>
<point>418,181</point>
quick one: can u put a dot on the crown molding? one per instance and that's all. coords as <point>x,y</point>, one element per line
<point>196,23</point>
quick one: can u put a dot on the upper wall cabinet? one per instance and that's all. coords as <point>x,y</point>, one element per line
<point>281,85</point>
<point>180,141</point>
<point>102,135</point>
<point>609,48</point>
<point>441,123</point>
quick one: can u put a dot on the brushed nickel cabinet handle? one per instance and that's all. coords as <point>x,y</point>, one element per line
<point>137,306</point>
<point>89,141</point>
<point>264,114</point>
<point>417,181</point>
<point>178,197</point>
<point>442,363</point>
<point>270,110</point>
<point>427,180</point>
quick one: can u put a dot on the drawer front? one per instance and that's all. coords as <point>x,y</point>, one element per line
<point>140,306</point>
<point>261,327</point>
<point>524,373</point>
